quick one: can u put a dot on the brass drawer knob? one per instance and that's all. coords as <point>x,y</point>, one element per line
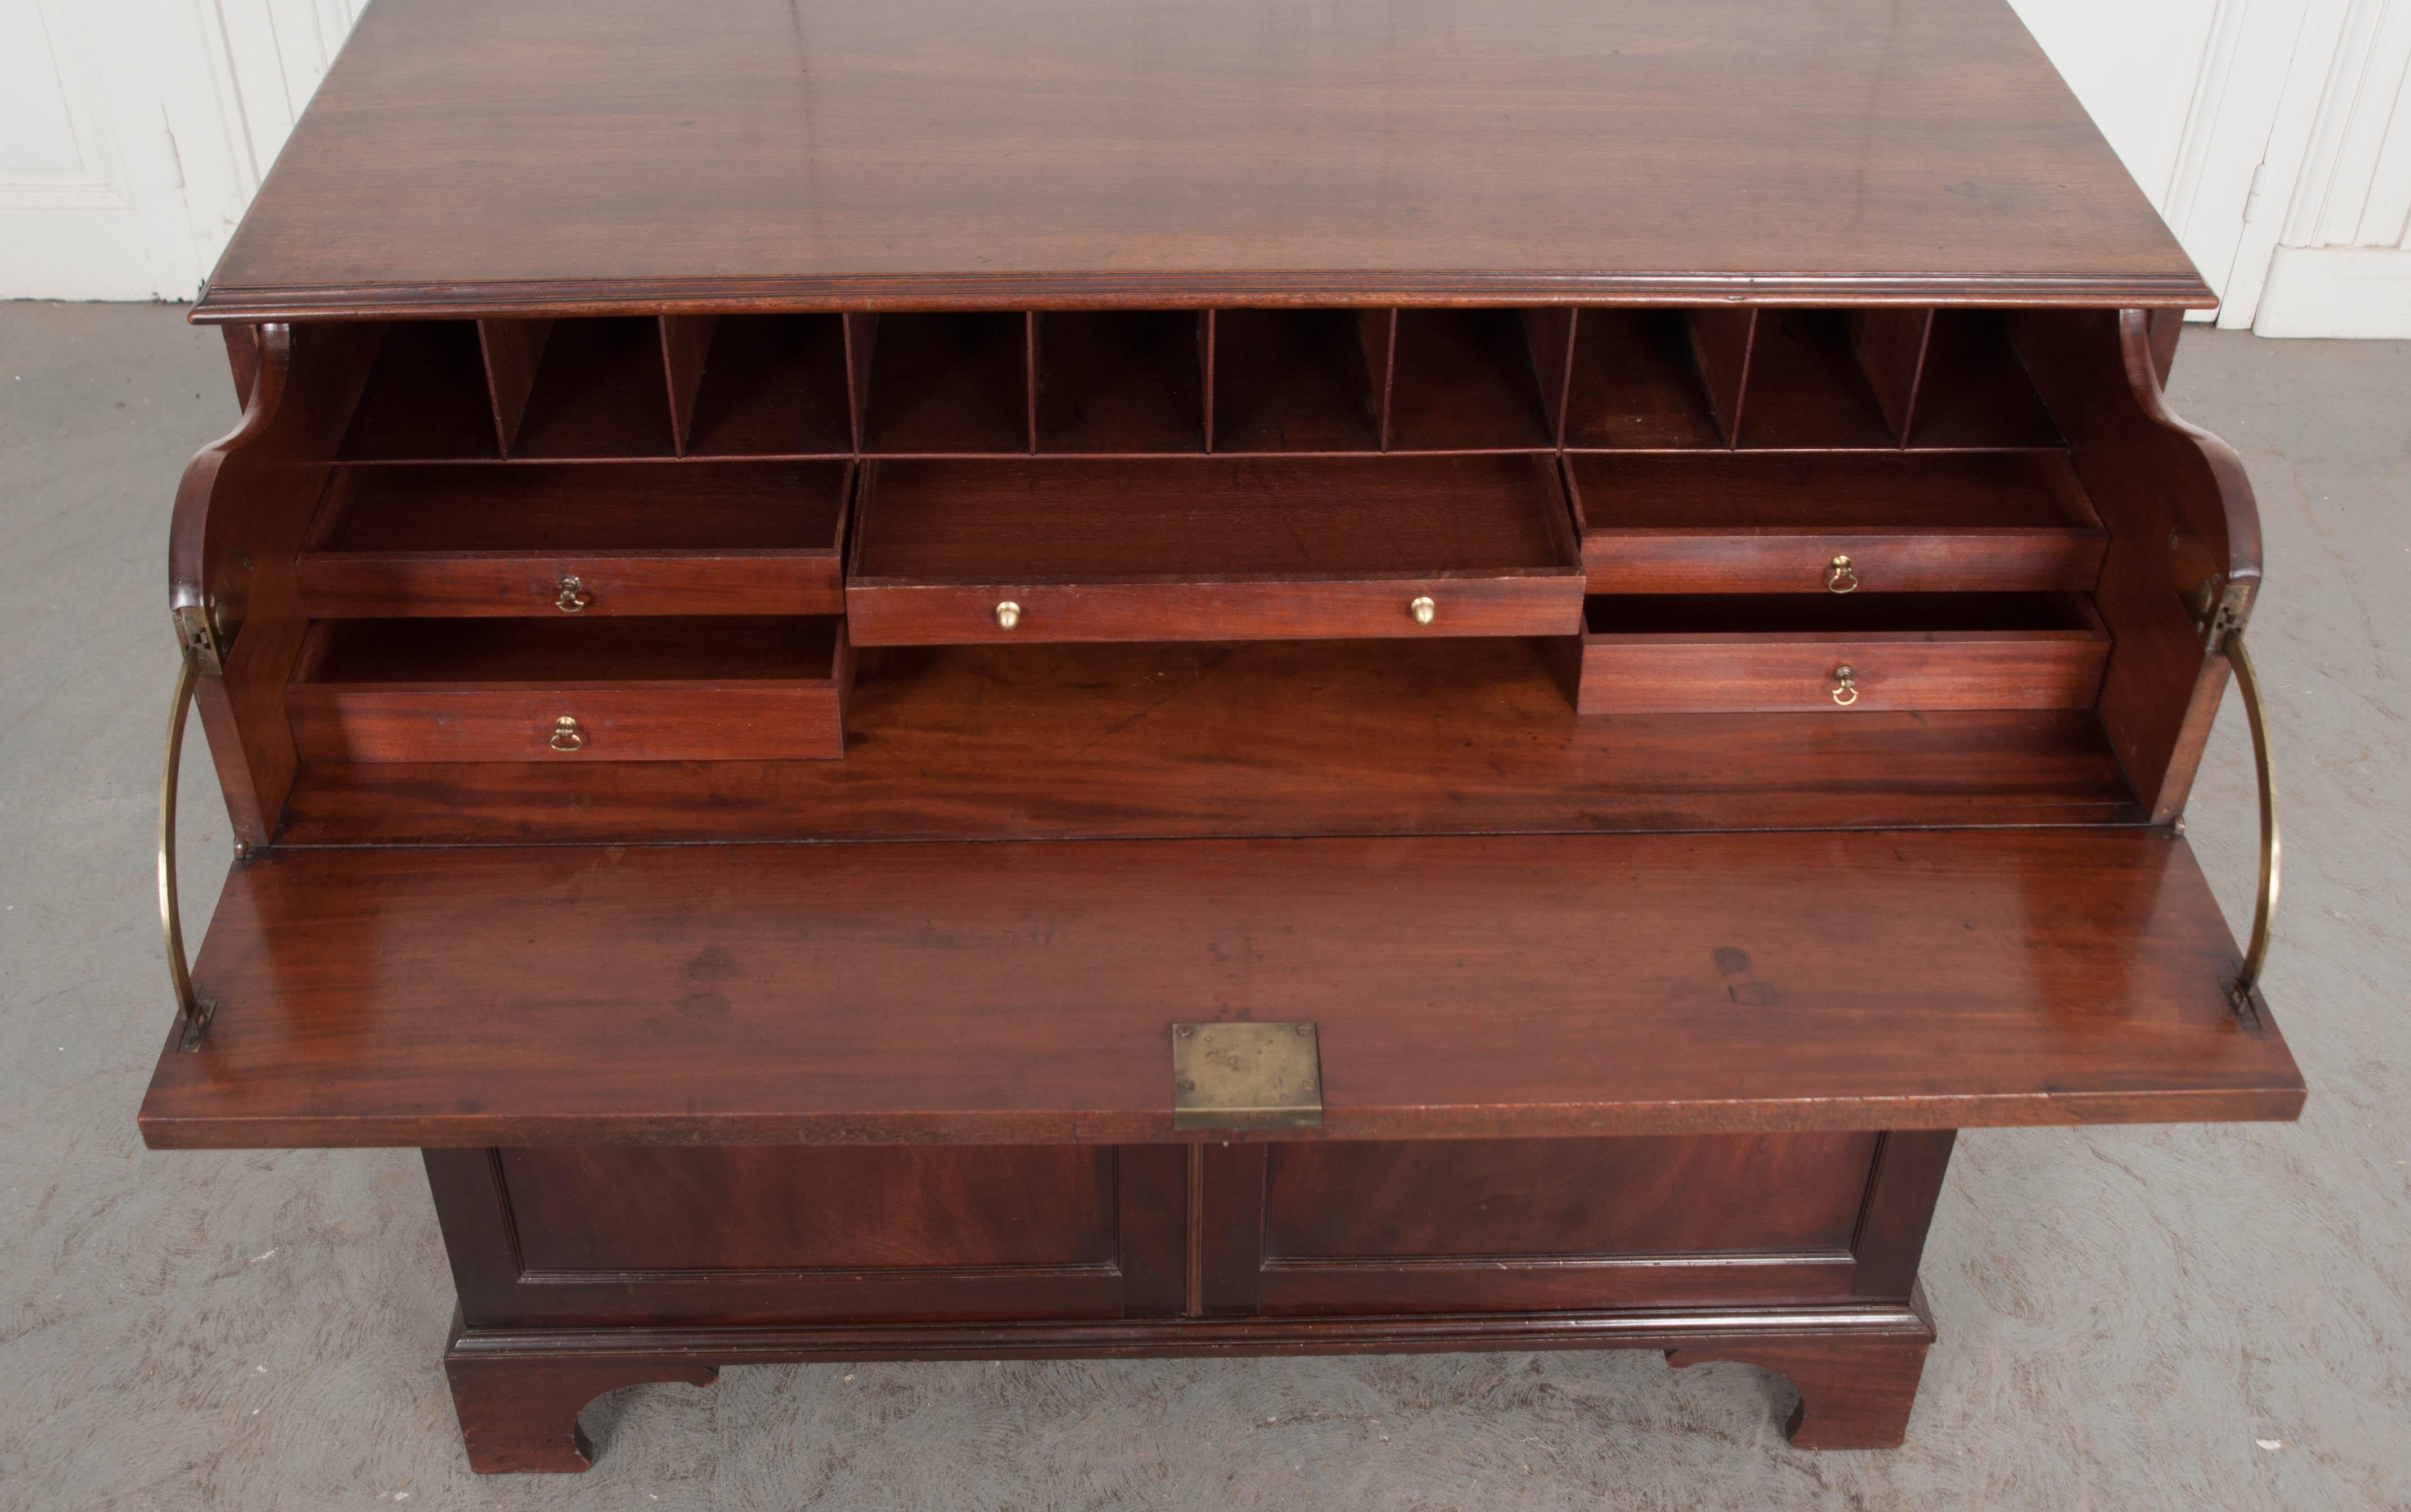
<point>1008,614</point>
<point>566,735</point>
<point>1846,692</point>
<point>1423,609</point>
<point>1841,576</point>
<point>573,596</point>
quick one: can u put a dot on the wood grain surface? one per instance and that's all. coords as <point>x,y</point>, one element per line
<point>1060,153</point>
<point>1023,993</point>
<point>1714,522</point>
<point>1701,653</point>
<point>1211,548</point>
<point>1272,737</point>
<point>719,538</point>
<point>664,689</point>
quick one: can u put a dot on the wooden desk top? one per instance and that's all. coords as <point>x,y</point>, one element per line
<point>585,155</point>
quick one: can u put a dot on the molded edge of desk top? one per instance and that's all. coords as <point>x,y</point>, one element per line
<point>532,299</point>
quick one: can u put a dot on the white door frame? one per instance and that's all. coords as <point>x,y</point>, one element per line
<point>152,122</point>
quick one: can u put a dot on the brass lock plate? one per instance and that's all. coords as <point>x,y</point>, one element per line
<point>1246,1075</point>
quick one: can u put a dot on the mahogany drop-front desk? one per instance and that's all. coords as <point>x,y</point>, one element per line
<point>932,680</point>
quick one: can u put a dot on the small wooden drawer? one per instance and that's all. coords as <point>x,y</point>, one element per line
<point>1701,655</point>
<point>1211,548</point>
<point>589,539</point>
<point>752,689</point>
<point>1905,522</point>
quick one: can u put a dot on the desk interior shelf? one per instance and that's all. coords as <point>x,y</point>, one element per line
<point>724,538</point>
<point>761,384</point>
<point>1211,548</point>
<point>1122,380</point>
<point>1683,502</point>
<point>1925,521</point>
<point>558,690</point>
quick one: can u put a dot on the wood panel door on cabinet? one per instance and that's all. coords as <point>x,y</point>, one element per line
<point>663,1235</point>
<point>1477,1225</point>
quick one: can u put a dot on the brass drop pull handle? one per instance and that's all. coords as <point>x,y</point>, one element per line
<point>1008,614</point>
<point>1423,609</point>
<point>567,735</point>
<point>1846,692</point>
<point>573,596</point>
<point>1842,577</point>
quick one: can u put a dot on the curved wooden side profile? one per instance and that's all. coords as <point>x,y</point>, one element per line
<point>261,365</point>
<point>241,508</point>
<point>520,1412</point>
<point>2183,561</point>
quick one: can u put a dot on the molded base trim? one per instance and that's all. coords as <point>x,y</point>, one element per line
<point>520,1412</point>
<point>1854,1392</point>
<point>518,1390</point>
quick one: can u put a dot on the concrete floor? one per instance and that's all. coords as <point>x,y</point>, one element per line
<point>2131,1317</point>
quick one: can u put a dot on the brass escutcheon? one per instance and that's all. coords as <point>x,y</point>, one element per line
<point>1423,609</point>
<point>1008,614</point>
<point>1841,576</point>
<point>566,735</point>
<point>573,596</point>
<point>1846,692</point>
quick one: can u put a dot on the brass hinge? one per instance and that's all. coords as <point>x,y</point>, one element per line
<point>2218,609</point>
<point>201,639</point>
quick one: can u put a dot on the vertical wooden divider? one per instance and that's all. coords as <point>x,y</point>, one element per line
<point>685,341</point>
<point>1722,340</point>
<point>1205,370</point>
<point>1379,330</point>
<point>1891,346</point>
<point>513,350</point>
<point>2164,327</point>
<point>242,358</point>
<point>1227,1216</point>
<point>1030,376</point>
<point>1550,335</point>
<point>861,335</point>
<point>1575,506</point>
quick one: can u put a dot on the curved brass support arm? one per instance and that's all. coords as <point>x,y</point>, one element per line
<point>2255,954</point>
<point>191,1011</point>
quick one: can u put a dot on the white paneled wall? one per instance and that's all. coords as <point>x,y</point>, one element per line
<point>134,132</point>
<point>2134,65</point>
<point>2342,266</point>
<point>2274,135</point>
<point>276,52</point>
